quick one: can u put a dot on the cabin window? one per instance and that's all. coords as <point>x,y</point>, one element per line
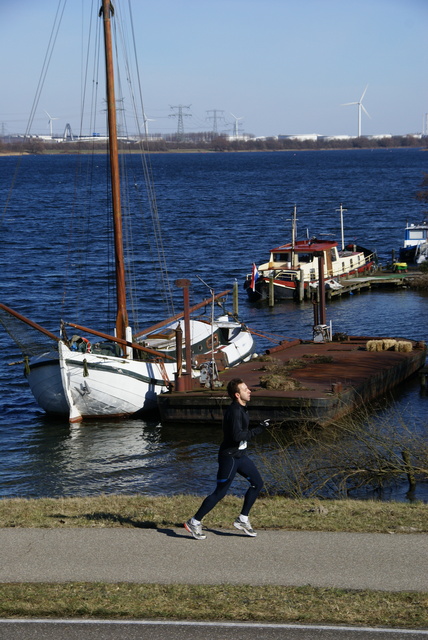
<point>281,257</point>
<point>417,234</point>
<point>352,263</point>
<point>333,255</point>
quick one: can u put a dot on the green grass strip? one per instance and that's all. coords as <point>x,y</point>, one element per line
<point>216,603</point>
<point>267,513</point>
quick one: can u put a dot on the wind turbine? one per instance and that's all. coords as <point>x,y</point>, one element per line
<point>236,126</point>
<point>146,126</point>
<point>361,107</point>
<point>50,122</point>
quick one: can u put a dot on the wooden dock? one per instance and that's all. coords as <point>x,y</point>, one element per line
<point>381,279</point>
<point>331,380</point>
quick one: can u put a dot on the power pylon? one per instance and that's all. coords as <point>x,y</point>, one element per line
<point>215,119</point>
<point>180,115</point>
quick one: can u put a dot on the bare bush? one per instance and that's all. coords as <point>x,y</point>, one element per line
<point>355,455</point>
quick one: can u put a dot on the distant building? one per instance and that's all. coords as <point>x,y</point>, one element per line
<point>381,136</point>
<point>301,137</point>
<point>331,138</point>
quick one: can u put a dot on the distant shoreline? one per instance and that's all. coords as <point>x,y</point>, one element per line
<point>52,152</point>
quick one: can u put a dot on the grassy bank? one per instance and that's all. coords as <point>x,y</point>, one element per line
<point>267,513</point>
<point>224,602</point>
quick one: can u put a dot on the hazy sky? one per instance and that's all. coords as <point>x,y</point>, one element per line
<point>284,66</point>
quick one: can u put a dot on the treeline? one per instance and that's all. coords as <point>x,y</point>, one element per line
<point>272,144</point>
<point>209,143</point>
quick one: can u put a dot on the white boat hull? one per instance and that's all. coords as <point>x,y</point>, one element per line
<point>94,385</point>
<point>44,378</point>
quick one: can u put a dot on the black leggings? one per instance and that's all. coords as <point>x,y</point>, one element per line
<point>228,467</point>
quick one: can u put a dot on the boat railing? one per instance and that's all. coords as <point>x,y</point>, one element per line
<point>371,257</point>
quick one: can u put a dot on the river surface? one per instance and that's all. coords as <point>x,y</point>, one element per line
<point>218,214</point>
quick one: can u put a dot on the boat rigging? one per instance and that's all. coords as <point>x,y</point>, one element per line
<point>120,374</point>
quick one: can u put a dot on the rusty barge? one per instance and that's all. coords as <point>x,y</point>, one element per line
<point>331,379</point>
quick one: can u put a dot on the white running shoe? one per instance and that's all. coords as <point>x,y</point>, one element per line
<point>195,530</point>
<point>245,527</point>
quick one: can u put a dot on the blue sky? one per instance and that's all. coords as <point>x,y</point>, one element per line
<point>283,66</point>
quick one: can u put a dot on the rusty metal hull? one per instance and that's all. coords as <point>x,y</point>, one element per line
<point>328,390</point>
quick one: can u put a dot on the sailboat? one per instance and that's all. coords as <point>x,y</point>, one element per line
<point>88,373</point>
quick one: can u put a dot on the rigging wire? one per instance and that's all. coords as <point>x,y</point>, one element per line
<point>84,214</point>
<point>48,55</point>
<point>147,168</point>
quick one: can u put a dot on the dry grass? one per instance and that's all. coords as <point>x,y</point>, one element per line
<point>389,344</point>
<point>278,374</point>
<point>268,513</point>
<point>224,602</point>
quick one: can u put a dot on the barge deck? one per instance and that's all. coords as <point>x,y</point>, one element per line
<point>330,380</point>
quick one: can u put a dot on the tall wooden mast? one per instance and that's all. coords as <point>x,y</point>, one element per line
<point>122,314</point>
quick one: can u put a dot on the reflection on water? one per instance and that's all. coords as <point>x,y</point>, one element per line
<point>128,457</point>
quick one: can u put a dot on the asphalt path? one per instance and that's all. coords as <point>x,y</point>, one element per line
<point>389,562</point>
<point>148,630</point>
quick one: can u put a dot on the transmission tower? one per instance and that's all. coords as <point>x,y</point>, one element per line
<point>180,115</point>
<point>215,119</point>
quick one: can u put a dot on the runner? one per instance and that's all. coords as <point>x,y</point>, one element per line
<point>232,459</point>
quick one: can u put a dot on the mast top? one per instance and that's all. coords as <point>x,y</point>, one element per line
<point>106,3</point>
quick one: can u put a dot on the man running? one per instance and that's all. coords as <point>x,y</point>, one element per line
<point>232,459</point>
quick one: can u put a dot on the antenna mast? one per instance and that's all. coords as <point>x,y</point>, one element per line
<point>341,224</point>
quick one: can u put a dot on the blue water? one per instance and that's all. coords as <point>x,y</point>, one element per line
<point>219,213</point>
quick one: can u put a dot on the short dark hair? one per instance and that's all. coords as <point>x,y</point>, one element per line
<point>233,387</point>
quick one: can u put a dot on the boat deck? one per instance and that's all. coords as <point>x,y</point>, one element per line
<point>332,378</point>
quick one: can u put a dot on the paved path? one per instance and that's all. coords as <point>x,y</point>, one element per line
<point>170,630</point>
<point>387,562</point>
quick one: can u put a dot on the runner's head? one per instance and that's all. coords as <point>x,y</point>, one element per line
<point>238,391</point>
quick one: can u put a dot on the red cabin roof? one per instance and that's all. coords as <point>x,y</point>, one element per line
<point>307,246</point>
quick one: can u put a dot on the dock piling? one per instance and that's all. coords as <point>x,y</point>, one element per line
<point>235,299</point>
<point>301,286</point>
<point>271,292</point>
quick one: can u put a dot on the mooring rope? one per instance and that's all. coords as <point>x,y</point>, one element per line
<point>276,339</point>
